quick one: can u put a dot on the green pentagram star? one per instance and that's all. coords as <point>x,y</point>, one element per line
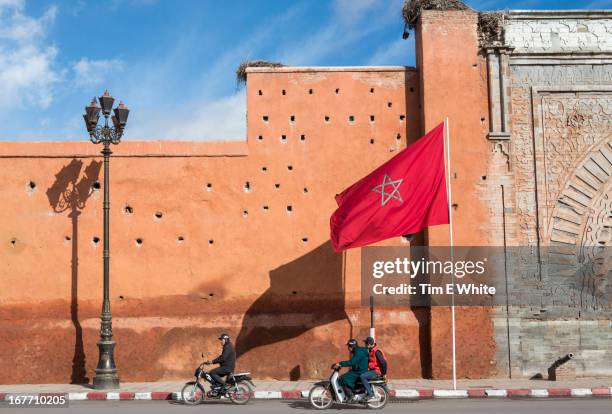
<point>386,196</point>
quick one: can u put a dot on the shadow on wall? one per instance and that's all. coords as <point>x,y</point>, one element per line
<point>307,292</point>
<point>70,192</point>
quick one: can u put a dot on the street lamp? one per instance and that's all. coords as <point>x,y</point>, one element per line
<point>106,371</point>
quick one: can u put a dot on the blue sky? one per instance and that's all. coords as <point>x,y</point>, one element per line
<point>173,61</point>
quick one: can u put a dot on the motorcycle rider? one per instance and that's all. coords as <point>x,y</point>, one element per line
<point>377,365</point>
<point>358,364</point>
<point>226,361</point>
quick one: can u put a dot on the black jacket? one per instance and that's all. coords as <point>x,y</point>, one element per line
<point>227,359</point>
<point>382,362</point>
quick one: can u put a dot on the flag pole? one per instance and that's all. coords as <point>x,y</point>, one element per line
<point>450,236</point>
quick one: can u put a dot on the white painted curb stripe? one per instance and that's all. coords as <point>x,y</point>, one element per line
<point>176,396</point>
<point>77,396</point>
<point>581,392</point>
<point>407,393</point>
<point>496,393</point>
<point>268,394</point>
<point>450,393</point>
<point>112,395</point>
<point>305,393</point>
<point>142,396</point>
<point>539,393</point>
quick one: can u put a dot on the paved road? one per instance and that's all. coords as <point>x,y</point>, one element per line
<point>501,406</point>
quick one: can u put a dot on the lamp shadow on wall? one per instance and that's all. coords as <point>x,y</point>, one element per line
<point>70,192</point>
<point>311,288</point>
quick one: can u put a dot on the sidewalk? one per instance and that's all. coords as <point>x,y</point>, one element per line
<point>408,388</point>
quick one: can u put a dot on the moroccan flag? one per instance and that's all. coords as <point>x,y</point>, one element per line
<point>403,196</point>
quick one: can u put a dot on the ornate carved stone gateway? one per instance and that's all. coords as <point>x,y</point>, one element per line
<point>551,79</point>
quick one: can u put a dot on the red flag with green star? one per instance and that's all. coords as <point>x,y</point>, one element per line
<point>403,196</point>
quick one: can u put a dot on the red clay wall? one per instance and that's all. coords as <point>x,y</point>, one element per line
<point>453,84</point>
<point>253,260</point>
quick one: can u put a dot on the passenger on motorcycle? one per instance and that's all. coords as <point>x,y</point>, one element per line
<point>358,364</point>
<point>226,361</point>
<point>377,366</point>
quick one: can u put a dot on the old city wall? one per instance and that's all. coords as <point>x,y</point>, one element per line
<point>205,237</point>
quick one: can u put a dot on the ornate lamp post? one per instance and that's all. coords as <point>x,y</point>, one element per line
<point>106,371</point>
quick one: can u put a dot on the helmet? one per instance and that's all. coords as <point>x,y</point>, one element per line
<point>352,343</point>
<point>224,336</point>
<point>369,341</point>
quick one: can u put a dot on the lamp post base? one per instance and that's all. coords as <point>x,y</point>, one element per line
<point>106,372</point>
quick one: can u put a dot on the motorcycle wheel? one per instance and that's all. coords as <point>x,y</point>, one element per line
<point>320,397</point>
<point>191,394</point>
<point>240,393</point>
<point>382,396</point>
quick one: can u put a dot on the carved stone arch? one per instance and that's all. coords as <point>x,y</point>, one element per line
<point>581,215</point>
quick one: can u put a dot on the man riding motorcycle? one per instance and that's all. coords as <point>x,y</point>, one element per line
<point>377,365</point>
<point>226,361</point>
<point>358,364</point>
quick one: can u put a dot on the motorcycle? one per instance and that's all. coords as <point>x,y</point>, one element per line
<point>324,393</point>
<point>237,388</point>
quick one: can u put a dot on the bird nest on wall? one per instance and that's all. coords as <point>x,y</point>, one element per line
<point>412,9</point>
<point>241,75</point>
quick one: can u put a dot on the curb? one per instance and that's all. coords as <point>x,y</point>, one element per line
<point>400,394</point>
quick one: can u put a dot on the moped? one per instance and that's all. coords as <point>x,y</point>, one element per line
<point>324,393</point>
<point>237,387</point>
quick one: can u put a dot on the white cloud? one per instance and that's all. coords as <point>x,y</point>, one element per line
<point>220,119</point>
<point>399,50</point>
<point>27,67</point>
<point>350,22</point>
<point>90,73</point>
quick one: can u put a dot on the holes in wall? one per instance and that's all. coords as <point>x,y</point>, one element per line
<point>138,242</point>
<point>264,169</point>
<point>305,190</point>
<point>266,208</point>
<point>121,297</point>
<point>310,91</point>
<point>247,187</point>
<point>128,210</point>
<point>209,187</point>
<point>351,119</point>
<point>290,167</point>
<point>96,186</point>
<point>283,138</point>
<point>484,177</point>
<point>67,238</point>
<point>398,137</point>
<point>337,91</point>
<point>371,90</point>
<point>260,137</point>
<point>402,118</point>
<point>260,92</point>
<point>327,119</point>
<point>482,120</point>
<point>245,213</point>
<point>265,118</point>
<point>454,205</point>
<point>389,104</point>
<point>411,89</point>
<point>283,92</point>
<point>304,239</point>
<point>180,239</point>
<point>211,242</point>
<point>302,137</point>
<point>159,215</point>
<point>32,185</point>
<point>95,241</point>
<point>13,242</point>
<point>292,119</point>
<point>211,294</point>
<point>289,209</point>
<point>372,118</point>
<point>277,185</point>
<point>294,292</point>
<point>371,140</point>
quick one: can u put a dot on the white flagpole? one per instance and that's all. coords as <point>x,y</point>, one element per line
<point>450,236</point>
